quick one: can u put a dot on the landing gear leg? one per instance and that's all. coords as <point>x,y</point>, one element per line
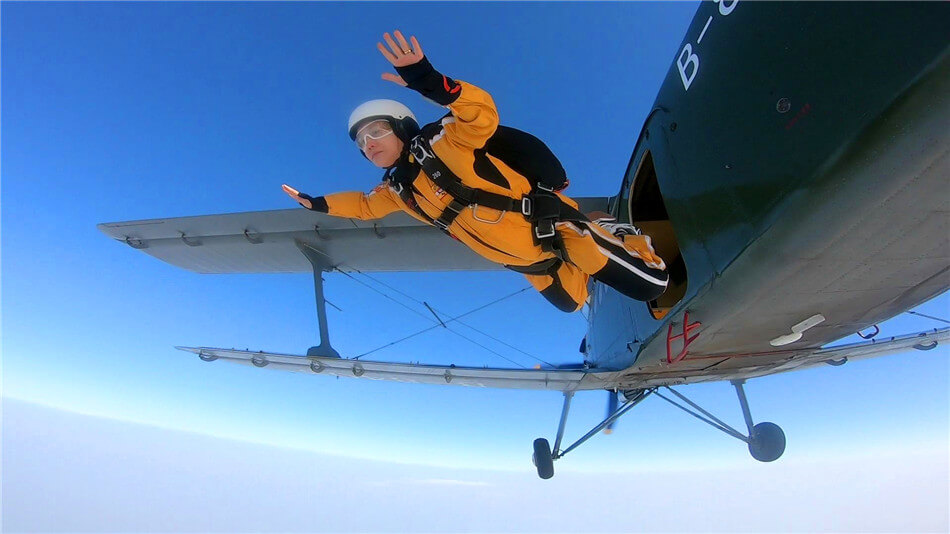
<point>766,440</point>
<point>544,458</point>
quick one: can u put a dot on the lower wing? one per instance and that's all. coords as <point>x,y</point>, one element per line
<point>548,379</point>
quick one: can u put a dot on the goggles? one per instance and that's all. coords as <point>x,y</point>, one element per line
<point>373,130</point>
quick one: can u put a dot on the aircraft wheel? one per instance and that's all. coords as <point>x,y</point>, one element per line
<point>767,443</point>
<point>542,458</point>
<point>634,395</point>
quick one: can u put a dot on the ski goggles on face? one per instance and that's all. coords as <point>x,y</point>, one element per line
<point>373,130</point>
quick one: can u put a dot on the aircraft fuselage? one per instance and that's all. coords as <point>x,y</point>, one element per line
<point>794,165</point>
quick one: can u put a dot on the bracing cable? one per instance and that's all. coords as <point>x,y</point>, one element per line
<point>929,317</point>
<point>442,323</point>
<point>436,325</point>
<point>466,325</point>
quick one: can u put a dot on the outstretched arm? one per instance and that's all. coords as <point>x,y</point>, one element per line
<point>306,200</point>
<point>377,204</point>
<point>473,109</point>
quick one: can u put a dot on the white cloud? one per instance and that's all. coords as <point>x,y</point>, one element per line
<point>66,472</point>
<point>448,482</point>
<point>428,482</point>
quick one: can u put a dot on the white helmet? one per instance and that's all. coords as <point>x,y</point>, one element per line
<point>399,116</point>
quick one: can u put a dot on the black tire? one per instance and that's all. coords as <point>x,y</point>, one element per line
<point>634,395</point>
<point>767,442</point>
<point>542,458</point>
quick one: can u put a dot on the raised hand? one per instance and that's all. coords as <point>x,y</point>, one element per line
<point>400,54</point>
<point>294,194</point>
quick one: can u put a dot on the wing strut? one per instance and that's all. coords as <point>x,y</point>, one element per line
<point>320,263</point>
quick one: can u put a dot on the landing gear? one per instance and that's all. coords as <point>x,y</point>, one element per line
<point>542,450</point>
<point>766,441</point>
<point>543,459</point>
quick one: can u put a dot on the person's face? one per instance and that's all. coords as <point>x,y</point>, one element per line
<point>379,143</point>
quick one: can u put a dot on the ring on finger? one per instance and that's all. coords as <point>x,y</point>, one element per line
<point>407,52</point>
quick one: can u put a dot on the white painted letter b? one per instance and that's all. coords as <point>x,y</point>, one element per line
<point>686,58</point>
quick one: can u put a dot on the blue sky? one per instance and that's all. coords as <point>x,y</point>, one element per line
<point>123,111</point>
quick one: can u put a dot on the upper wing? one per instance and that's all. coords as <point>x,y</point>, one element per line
<point>265,242</point>
<point>554,379</point>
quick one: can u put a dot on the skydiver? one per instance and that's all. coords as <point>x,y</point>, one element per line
<point>493,188</point>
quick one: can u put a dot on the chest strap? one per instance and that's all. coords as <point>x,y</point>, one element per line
<point>408,195</point>
<point>542,207</point>
<point>462,195</point>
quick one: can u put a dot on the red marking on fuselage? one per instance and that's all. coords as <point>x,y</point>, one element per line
<point>806,109</point>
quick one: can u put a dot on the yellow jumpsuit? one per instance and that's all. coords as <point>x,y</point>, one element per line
<point>507,237</point>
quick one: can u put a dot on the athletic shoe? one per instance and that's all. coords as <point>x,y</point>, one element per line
<point>634,241</point>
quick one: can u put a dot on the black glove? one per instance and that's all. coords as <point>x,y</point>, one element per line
<point>430,83</point>
<point>316,203</point>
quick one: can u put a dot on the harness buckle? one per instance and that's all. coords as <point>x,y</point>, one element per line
<point>419,149</point>
<point>456,206</point>
<point>526,207</point>
<point>448,215</point>
<point>545,229</point>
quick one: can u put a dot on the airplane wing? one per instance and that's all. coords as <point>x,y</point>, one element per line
<point>546,379</point>
<point>557,379</point>
<point>265,242</point>
<point>726,366</point>
<point>883,347</point>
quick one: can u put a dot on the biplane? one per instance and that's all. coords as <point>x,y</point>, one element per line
<point>793,173</point>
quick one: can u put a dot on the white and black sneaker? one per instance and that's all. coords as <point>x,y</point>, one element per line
<point>617,229</point>
<point>633,240</point>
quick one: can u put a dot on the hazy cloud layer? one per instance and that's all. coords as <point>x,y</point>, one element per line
<point>68,472</point>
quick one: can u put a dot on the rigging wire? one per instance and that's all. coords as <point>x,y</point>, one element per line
<point>489,336</point>
<point>929,317</point>
<point>450,330</point>
<point>436,325</point>
<point>337,268</point>
<point>403,304</point>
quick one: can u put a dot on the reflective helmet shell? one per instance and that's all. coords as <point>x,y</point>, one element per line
<point>399,116</point>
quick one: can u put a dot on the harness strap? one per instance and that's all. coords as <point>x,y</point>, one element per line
<point>462,195</point>
<point>542,207</point>
<point>548,266</point>
<point>406,194</point>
